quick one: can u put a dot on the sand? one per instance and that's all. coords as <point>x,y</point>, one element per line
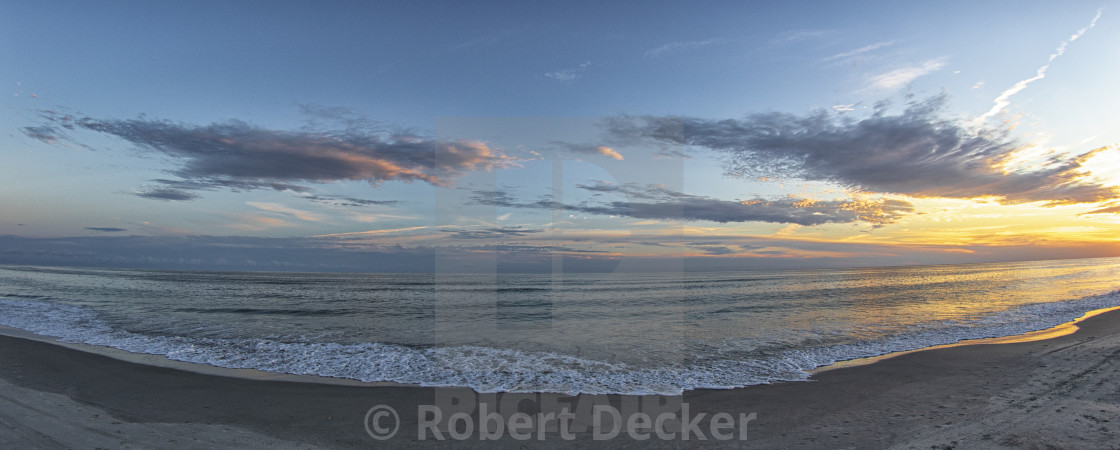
<point>1062,392</point>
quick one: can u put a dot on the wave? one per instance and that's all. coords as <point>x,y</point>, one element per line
<point>267,311</point>
<point>488,369</point>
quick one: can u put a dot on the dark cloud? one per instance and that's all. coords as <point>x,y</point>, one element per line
<point>47,134</point>
<point>632,190</point>
<point>181,190</point>
<point>54,129</point>
<point>677,154</point>
<point>169,194</point>
<point>916,153</point>
<point>106,229</point>
<point>658,202</point>
<point>1113,209</point>
<point>339,200</point>
<point>717,250</point>
<point>530,249</point>
<point>239,156</point>
<point>212,184</point>
<point>491,233</point>
<point>502,198</point>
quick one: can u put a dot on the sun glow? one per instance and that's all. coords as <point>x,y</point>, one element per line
<point>1104,165</point>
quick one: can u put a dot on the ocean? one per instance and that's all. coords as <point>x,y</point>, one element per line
<point>631,333</point>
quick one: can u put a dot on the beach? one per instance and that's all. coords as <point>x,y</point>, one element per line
<point>556,225</point>
<point>1054,393</point>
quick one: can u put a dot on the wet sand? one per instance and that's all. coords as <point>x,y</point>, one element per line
<point>1062,392</point>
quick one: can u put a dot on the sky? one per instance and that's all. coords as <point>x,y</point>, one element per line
<point>557,136</point>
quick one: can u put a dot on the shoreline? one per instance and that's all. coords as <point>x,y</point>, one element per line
<point>186,366</point>
<point>1059,391</point>
<point>1055,331</point>
<point>256,374</point>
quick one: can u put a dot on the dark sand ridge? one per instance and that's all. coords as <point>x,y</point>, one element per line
<point>1062,392</point>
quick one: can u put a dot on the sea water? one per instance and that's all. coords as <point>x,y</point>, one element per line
<point>635,333</point>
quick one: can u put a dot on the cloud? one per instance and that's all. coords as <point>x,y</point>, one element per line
<point>238,156</point>
<point>671,154</point>
<point>716,250</point>
<point>339,200</point>
<point>106,229</point>
<point>1114,209</point>
<point>569,74</point>
<point>591,150</point>
<point>364,234</point>
<point>659,203</point>
<point>915,153</point>
<point>860,51</point>
<point>1004,99</point>
<point>173,189</point>
<point>609,152</point>
<point>681,46</point>
<point>901,77</point>
<point>165,193</point>
<point>491,233</point>
<point>45,134</point>
<point>278,208</point>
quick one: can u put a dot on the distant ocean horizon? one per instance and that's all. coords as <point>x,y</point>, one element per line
<point>629,333</point>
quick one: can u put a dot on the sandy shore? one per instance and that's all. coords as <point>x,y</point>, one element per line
<point>1062,392</point>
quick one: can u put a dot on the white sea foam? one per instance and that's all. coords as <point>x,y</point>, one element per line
<point>488,369</point>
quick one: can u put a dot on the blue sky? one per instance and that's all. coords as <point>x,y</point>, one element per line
<point>618,136</point>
